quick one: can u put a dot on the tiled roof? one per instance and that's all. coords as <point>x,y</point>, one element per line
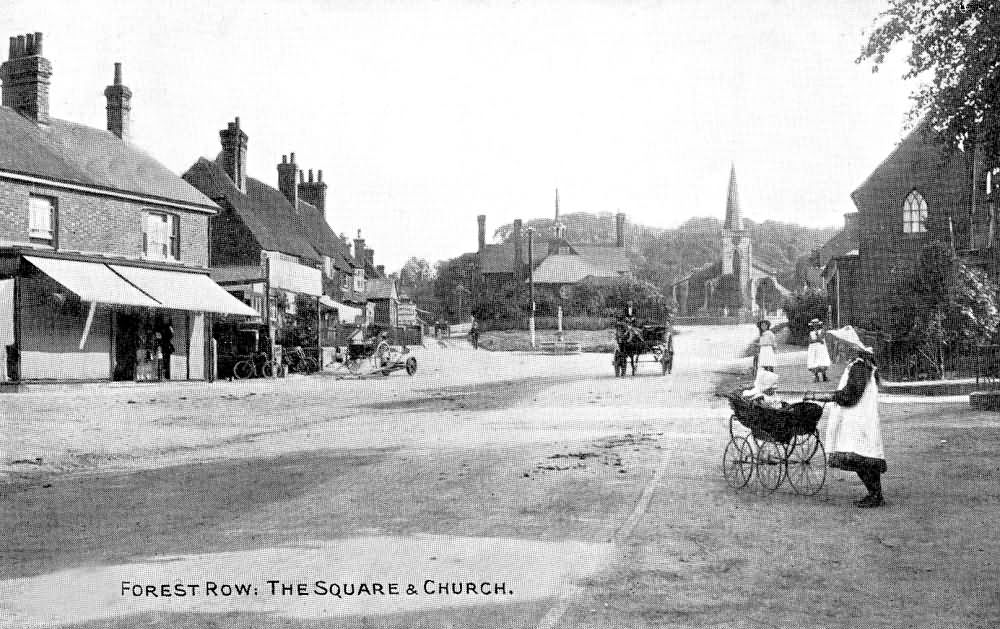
<point>500,258</point>
<point>569,269</point>
<point>381,289</point>
<point>323,240</point>
<point>611,260</point>
<point>74,153</point>
<point>265,211</point>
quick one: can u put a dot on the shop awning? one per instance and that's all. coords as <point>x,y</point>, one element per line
<point>184,291</point>
<point>92,282</point>
<point>346,313</point>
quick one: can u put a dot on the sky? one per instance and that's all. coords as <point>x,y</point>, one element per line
<point>423,114</point>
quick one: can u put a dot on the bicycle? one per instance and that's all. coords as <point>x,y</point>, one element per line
<point>298,362</point>
<point>259,364</point>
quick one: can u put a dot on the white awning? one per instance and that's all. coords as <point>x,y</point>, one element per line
<point>184,291</point>
<point>347,313</point>
<point>92,282</point>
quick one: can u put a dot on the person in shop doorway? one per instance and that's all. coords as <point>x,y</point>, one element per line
<point>167,346</point>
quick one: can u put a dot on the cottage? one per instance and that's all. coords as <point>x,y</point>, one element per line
<point>103,250</point>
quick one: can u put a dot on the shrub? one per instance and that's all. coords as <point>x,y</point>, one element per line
<point>801,307</point>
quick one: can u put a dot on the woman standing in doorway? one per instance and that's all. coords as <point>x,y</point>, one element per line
<point>765,346</point>
<point>817,358</point>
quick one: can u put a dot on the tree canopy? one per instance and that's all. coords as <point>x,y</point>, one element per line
<point>955,51</point>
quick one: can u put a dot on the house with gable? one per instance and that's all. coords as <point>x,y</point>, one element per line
<point>104,252</point>
<point>273,247</point>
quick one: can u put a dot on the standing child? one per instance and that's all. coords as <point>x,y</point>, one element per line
<point>817,358</point>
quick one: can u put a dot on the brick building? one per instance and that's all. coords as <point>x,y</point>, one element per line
<point>918,194</point>
<point>273,247</point>
<point>103,251</point>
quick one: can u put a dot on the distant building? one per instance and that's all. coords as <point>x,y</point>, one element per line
<point>694,293</point>
<point>103,251</point>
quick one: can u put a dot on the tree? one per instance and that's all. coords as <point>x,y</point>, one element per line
<point>954,45</point>
<point>802,307</point>
<point>450,274</point>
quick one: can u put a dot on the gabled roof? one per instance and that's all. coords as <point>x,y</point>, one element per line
<point>381,289</point>
<point>843,241</point>
<point>570,268</point>
<point>500,258</point>
<point>323,240</point>
<point>611,260</point>
<point>265,211</point>
<point>73,153</point>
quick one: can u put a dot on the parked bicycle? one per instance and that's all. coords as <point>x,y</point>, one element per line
<point>257,365</point>
<point>298,362</point>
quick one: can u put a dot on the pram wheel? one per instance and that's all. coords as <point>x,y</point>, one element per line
<point>806,464</point>
<point>738,462</point>
<point>770,464</point>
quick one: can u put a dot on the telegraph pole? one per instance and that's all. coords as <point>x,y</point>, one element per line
<point>531,284</point>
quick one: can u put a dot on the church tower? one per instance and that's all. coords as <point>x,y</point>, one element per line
<point>558,229</point>
<point>736,249</point>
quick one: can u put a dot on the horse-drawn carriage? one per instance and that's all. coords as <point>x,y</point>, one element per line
<point>636,340</point>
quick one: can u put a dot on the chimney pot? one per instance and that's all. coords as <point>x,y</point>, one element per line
<point>310,175</point>
<point>29,43</point>
<point>481,219</point>
<point>26,81</point>
<point>319,175</point>
<point>234,154</point>
<point>302,178</point>
<point>119,104</point>
<point>118,73</point>
<point>38,43</point>
<point>20,46</point>
<point>12,51</point>
<point>284,159</point>
<point>293,158</point>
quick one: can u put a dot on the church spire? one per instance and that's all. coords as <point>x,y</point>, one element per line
<point>557,227</point>
<point>734,215</point>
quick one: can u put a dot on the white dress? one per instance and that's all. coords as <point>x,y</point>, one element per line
<point>765,356</point>
<point>855,429</point>
<point>817,356</point>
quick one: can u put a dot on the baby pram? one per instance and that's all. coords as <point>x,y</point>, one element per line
<point>783,443</point>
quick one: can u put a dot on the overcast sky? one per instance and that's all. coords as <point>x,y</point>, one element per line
<point>424,114</point>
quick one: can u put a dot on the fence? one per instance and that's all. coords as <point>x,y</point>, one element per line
<point>549,323</point>
<point>899,361</point>
<point>988,367</point>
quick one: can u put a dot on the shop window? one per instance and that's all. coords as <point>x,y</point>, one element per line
<point>42,220</point>
<point>161,236</point>
<point>914,214</point>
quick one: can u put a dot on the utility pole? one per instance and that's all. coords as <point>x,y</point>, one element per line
<point>531,284</point>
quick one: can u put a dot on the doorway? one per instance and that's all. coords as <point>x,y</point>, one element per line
<point>128,328</point>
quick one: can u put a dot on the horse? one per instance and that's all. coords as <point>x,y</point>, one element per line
<point>630,345</point>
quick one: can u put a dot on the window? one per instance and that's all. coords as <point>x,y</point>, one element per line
<point>563,250</point>
<point>327,266</point>
<point>346,285</point>
<point>359,280</point>
<point>914,214</point>
<point>42,220</point>
<point>161,237</point>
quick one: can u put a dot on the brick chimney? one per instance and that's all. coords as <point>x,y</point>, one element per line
<point>620,230</point>
<point>25,77</point>
<point>314,192</point>
<point>518,249</point>
<point>286,179</point>
<point>234,153</point>
<point>359,250</point>
<point>482,231</point>
<point>119,105</point>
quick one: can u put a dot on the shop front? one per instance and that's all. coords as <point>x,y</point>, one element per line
<point>77,318</point>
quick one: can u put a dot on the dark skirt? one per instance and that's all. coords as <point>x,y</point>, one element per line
<point>851,462</point>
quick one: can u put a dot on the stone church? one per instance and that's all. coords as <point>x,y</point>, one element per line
<point>701,292</point>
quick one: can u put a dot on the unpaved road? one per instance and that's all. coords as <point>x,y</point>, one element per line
<point>581,500</point>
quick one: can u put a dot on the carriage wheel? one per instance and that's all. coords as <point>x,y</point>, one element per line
<point>770,465</point>
<point>738,462</point>
<point>267,369</point>
<point>806,465</point>
<point>354,365</point>
<point>411,366</point>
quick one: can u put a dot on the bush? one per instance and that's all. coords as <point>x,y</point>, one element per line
<point>802,307</point>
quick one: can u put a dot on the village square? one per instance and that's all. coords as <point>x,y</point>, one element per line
<point>220,408</point>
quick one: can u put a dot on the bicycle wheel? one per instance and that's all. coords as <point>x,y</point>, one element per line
<point>770,465</point>
<point>806,467</point>
<point>267,369</point>
<point>738,463</point>
<point>244,369</point>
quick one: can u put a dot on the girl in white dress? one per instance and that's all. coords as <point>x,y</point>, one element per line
<point>765,346</point>
<point>817,358</point>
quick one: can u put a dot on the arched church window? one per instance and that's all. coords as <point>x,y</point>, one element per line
<point>914,214</point>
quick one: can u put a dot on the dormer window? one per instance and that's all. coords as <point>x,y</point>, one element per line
<point>914,214</point>
<point>42,220</point>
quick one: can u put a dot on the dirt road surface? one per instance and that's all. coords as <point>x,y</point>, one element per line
<point>564,496</point>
